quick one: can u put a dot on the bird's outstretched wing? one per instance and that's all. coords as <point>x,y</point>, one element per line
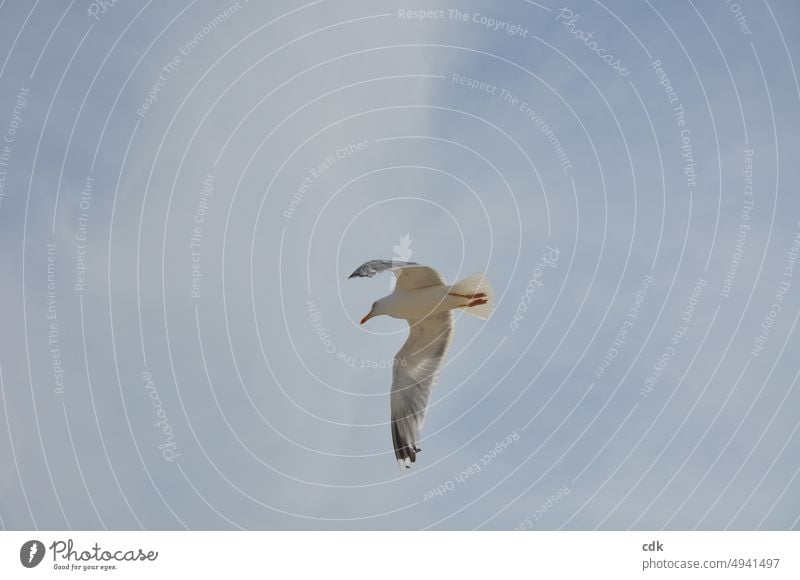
<point>415,373</point>
<point>410,275</point>
<point>369,269</point>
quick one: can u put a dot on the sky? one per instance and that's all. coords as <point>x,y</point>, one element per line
<point>185,187</point>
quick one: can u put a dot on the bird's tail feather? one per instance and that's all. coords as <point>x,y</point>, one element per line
<point>476,285</point>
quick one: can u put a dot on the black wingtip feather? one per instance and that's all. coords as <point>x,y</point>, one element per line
<point>372,267</point>
<point>403,449</point>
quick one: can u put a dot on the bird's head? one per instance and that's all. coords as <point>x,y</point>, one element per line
<point>376,310</point>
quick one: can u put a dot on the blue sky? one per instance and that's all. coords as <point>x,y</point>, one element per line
<point>216,171</point>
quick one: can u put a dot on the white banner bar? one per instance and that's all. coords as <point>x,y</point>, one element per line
<point>388,555</point>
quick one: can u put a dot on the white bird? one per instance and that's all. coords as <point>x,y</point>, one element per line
<point>423,298</point>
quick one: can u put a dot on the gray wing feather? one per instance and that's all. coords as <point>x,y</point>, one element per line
<point>369,269</point>
<point>410,275</point>
<point>422,356</point>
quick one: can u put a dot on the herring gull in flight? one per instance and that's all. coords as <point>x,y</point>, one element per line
<point>423,298</point>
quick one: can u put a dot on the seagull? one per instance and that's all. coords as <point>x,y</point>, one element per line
<point>423,298</point>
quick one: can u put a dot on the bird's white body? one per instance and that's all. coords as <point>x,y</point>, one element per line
<point>423,298</point>
<point>417,304</point>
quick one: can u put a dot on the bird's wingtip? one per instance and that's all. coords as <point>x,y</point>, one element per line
<point>372,267</point>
